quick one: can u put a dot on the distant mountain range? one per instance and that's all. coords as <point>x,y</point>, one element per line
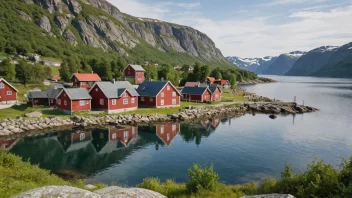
<point>325,61</point>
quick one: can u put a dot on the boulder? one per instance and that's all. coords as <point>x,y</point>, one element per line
<point>117,192</point>
<point>273,117</point>
<point>57,191</point>
<point>89,186</point>
<point>24,15</point>
<point>44,23</point>
<point>34,114</point>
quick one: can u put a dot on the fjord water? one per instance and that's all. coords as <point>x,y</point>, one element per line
<point>241,149</point>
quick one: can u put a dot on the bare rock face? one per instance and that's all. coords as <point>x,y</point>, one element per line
<point>62,22</point>
<point>57,191</point>
<point>74,6</point>
<point>50,5</point>
<point>107,7</point>
<point>70,37</point>
<point>44,23</point>
<point>89,36</point>
<point>28,1</point>
<point>24,15</point>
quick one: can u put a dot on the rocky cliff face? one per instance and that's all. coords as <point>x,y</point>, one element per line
<point>104,26</point>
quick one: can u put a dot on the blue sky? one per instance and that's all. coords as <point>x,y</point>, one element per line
<point>255,28</point>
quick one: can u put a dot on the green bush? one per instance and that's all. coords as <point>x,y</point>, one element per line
<point>202,178</point>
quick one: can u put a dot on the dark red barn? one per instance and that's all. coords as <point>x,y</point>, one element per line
<point>214,89</point>
<point>84,80</point>
<point>114,97</point>
<point>197,94</point>
<point>158,94</point>
<point>135,72</point>
<point>8,93</point>
<point>75,99</point>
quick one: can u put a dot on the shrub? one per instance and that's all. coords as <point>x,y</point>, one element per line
<point>150,183</point>
<point>202,178</point>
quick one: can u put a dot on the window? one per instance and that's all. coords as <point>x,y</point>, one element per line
<point>59,101</point>
<point>168,87</point>
<point>113,101</point>
<point>96,89</point>
<point>168,137</point>
<point>142,99</point>
<point>173,94</point>
<point>162,94</point>
<point>81,103</point>
<point>162,129</point>
<point>162,102</point>
<point>174,127</point>
<point>173,101</point>
<point>101,101</point>
<point>9,93</point>
<point>125,134</point>
<point>2,85</point>
<point>125,95</point>
<point>83,83</point>
<point>151,99</point>
<point>114,136</point>
<point>64,95</point>
<point>125,101</point>
<point>65,102</point>
<point>132,100</point>
<point>82,136</point>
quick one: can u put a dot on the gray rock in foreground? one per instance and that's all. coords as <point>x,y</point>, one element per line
<point>71,192</point>
<point>270,196</point>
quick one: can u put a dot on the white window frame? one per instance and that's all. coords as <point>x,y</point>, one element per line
<point>168,87</point>
<point>65,102</point>
<point>101,101</point>
<point>96,89</point>
<point>162,102</point>
<point>83,83</point>
<point>151,99</point>
<point>58,101</point>
<point>113,101</point>
<point>174,94</point>
<point>162,94</point>
<point>125,95</point>
<point>174,101</point>
<point>168,137</point>
<point>82,103</point>
<point>125,101</point>
<point>125,134</point>
<point>9,93</point>
<point>2,86</point>
<point>132,100</point>
<point>142,99</point>
<point>114,136</point>
<point>173,127</point>
<point>162,129</point>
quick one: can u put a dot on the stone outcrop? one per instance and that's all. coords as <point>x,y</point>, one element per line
<point>260,80</point>
<point>62,22</point>
<point>71,192</point>
<point>44,23</point>
<point>70,37</point>
<point>280,108</point>
<point>24,15</point>
<point>35,114</point>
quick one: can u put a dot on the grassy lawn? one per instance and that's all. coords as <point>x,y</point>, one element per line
<point>54,70</point>
<point>23,89</point>
<point>227,96</point>
<point>20,110</point>
<point>52,59</point>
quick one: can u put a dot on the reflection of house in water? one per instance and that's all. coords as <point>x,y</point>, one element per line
<point>72,141</point>
<point>8,143</point>
<point>210,125</point>
<point>167,132</point>
<point>107,141</point>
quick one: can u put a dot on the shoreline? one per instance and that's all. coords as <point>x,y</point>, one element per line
<point>259,80</point>
<point>19,126</point>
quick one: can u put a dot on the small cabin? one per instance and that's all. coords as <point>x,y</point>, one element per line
<point>73,100</point>
<point>214,89</point>
<point>134,72</point>
<point>114,97</point>
<point>84,80</point>
<point>196,94</point>
<point>8,93</point>
<point>223,83</point>
<point>158,94</point>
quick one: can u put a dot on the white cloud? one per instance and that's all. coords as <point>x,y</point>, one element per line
<point>188,5</point>
<point>290,2</point>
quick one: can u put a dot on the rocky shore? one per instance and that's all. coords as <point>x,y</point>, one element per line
<point>19,126</point>
<point>260,80</point>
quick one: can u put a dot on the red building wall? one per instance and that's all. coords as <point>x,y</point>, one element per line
<point>167,132</point>
<point>75,103</point>
<point>216,95</point>
<point>119,134</point>
<point>96,95</point>
<point>192,97</point>
<point>168,97</point>
<point>3,93</point>
<point>131,73</point>
<point>146,101</point>
<point>206,96</point>
<point>82,84</point>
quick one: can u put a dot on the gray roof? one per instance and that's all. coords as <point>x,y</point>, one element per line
<point>115,90</point>
<point>212,87</point>
<point>77,94</point>
<point>151,88</point>
<point>52,93</point>
<point>194,90</point>
<point>37,94</point>
<point>137,68</point>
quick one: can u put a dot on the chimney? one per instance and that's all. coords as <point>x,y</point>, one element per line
<point>113,81</point>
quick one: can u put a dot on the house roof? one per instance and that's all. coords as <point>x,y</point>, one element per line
<point>52,93</point>
<point>87,77</point>
<point>211,87</point>
<point>137,68</point>
<point>211,79</point>
<point>115,90</point>
<point>37,94</point>
<point>194,90</point>
<point>76,93</point>
<point>55,78</point>
<point>222,82</point>
<point>191,84</point>
<point>153,88</point>
<point>3,80</point>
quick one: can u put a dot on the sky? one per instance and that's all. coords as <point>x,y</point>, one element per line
<point>255,28</point>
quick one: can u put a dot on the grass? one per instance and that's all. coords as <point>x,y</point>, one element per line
<point>52,59</point>
<point>54,70</point>
<point>23,89</point>
<point>228,96</point>
<point>18,176</point>
<point>20,110</point>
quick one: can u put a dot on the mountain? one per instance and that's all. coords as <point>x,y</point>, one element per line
<point>283,63</point>
<point>312,61</point>
<point>96,29</point>
<point>252,64</point>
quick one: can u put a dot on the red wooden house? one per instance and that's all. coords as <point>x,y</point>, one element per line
<point>56,78</point>
<point>210,80</point>
<point>75,99</point>
<point>223,83</point>
<point>197,94</point>
<point>117,139</point>
<point>214,89</point>
<point>8,93</point>
<point>73,141</point>
<point>84,80</point>
<point>167,132</point>
<point>7,144</point>
<point>135,72</point>
<point>158,94</point>
<point>114,97</point>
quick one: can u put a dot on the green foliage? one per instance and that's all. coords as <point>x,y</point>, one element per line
<point>202,178</point>
<point>167,72</point>
<point>48,72</point>
<point>64,71</point>
<point>151,72</point>
<point>27,73</point>
<point>216,73</point>
<point>7,70</point>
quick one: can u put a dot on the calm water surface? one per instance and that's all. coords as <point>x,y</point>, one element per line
<point>242,149</point>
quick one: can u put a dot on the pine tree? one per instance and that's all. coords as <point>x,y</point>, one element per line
<point>65,73</point>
